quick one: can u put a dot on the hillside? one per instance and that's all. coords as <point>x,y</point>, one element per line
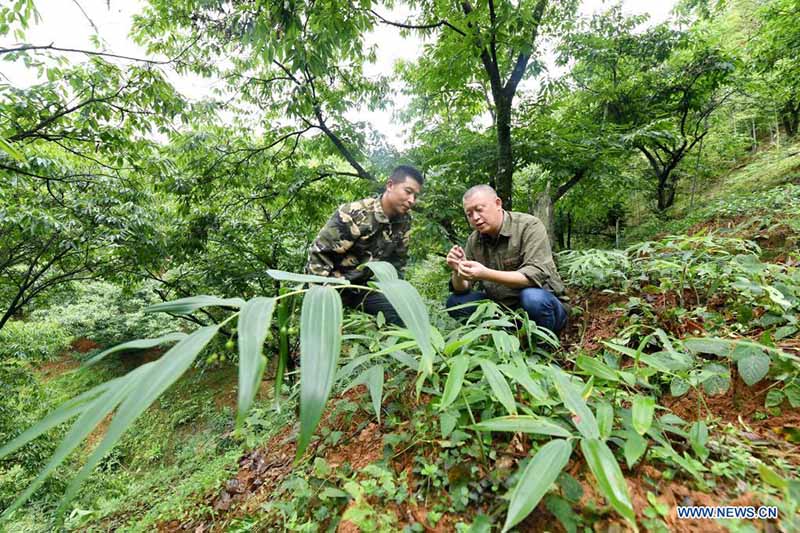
<point>686,357</point>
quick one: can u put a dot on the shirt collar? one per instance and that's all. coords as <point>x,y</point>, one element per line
<point>380,214</point>
<point>505,229</point>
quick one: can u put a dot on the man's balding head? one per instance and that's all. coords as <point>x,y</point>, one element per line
<point>484,209</point>
<point>479,189</point>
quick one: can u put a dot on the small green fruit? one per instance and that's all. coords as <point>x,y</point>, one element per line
<point>230,345</point>
<point>293,331</point>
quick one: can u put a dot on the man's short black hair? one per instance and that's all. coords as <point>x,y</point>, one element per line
<point>399,174</point>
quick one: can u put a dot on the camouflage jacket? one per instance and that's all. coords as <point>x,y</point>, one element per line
<point>359,232</point>
<point>521,245</point>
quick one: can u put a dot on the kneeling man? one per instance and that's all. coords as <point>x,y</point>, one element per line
<point>509,255</point>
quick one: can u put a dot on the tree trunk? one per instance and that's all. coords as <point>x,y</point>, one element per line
<point>665,191</point>
<point>569,231</point>
<point>505,161</point>
<point>791,119</point>
<point>543,210</point>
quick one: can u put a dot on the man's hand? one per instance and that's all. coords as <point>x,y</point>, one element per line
<point>471,270</point>
<point>454,257</point>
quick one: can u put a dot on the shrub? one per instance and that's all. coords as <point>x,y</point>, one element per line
<point>33,341</point>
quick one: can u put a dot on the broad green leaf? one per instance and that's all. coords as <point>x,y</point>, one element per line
<point>668,361</point>
<point>774,398</point>
<point>597,368</point>
<point>717,380</point>
<point>678,387</point>
<point>634,448</point>
<point>184,306</point>
<point>499,386</point>
<point>254,322</point>
<point>383,271</point>
<point>480,524</point>
<point>582,416</point>
<point>536,480</point>
<point>753,367</point>
<point>141,344</point>
<point>455,379</point>
<point>409,305</point>
<point>523,424</point>
<point>320,344</point>
<point>642,413</point>
<point>143,391</point>
<point>609,477</point>
<point>708,345</point>
<point>792,393</point>
<point>280,275</point>
<point>605,419</point>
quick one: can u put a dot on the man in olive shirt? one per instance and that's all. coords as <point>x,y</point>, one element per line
<point>509,255</point>
<point>372,229</point>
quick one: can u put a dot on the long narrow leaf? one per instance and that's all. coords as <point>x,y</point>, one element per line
<point>597,368</point>
<point>184,306</point>
<point>520,373</point>
<point>348,369</point>
<point>254,322</point>
<point>582,416</point>
<point>141,344</point>
<point>409,305</point>
<point>523,424</point>
<point>320,344</point>
<point>91,416</point>
<point>537,478</point>
<point>143,389</point>
<point>499,386</point>
<point>280,275</point>
<point>455,379</point>
<point>64,412</point>
<point>373,379</point>
<point>609,477</point>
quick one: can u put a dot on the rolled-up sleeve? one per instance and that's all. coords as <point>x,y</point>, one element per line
<point>537,258</point>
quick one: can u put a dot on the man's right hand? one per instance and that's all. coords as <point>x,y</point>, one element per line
<point>455,256</point>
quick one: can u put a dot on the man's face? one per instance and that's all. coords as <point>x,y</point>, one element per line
<point>401,196</point>
<point>484,212</point>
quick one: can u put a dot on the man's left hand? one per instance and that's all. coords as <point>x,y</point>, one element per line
<point>471,270</point>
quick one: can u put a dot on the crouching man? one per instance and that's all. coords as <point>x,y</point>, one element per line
<point>509,255</point>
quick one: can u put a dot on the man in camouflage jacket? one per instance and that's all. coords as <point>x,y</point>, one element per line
<point>372,229</point>
<point>509,255</point>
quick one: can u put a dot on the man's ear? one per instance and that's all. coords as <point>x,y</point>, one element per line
<point>499,202</point>
<point>389,184</point>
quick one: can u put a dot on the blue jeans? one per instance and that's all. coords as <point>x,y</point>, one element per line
<point>542,307</point>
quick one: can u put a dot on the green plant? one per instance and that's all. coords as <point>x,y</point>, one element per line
<point>320,342</point>
<point>33,341</point>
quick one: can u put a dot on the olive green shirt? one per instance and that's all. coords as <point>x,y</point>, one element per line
<point>521,245</point>
<point>356,233</point>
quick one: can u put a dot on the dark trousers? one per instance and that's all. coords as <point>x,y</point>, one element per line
<point>371,302</point>
<point>542,307</point>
